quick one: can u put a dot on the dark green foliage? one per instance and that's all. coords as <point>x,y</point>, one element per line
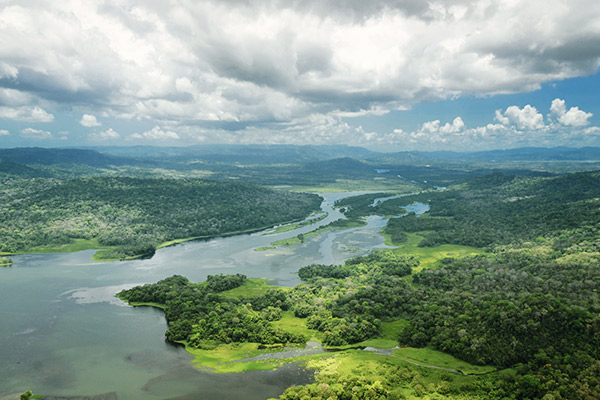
<point>221,283</point>
<point>324,271</point>
<point>499,209</point>
<point>272,298</point>
<point>199,316</point>
<point>138,214</point>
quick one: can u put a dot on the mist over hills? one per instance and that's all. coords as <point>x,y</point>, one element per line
<point>291,164</point>
<point>280,154</point>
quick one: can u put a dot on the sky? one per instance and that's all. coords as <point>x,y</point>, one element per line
<point>390,75</point>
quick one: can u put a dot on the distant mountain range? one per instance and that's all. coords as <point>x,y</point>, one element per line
<point>520,154</point>
<point>311,156</point>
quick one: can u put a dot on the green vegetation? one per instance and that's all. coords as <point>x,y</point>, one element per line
<point>500,280</point>
<point>291,227</point>
<point>5,261</point>
<point>340,224</point>
<point>500,209</point>
<point>429,357</point>
<point>356,374</point>
<point>131,217</point>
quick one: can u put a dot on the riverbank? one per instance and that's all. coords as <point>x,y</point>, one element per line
<point>92,244</point>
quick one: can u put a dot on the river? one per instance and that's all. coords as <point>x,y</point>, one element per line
<point>64,333</point>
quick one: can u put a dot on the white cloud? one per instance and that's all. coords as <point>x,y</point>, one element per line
<point>156,133</point>
<point>434,126</point>
<point>573,117</point>
<point>526,118</point>
<point>274,60</point>
<point>26,114</point>
<point>31,133</point>
<point>89,121</point>
<point>109,134</point>
<point>516,127</point>
<point>4,132</point>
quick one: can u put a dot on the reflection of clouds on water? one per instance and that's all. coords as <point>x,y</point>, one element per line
<point>103,294</point>
<point>26,331</point>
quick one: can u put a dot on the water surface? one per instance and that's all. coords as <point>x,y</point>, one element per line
<point>64,333</point>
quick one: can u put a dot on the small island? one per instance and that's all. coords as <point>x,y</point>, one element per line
<point>5,261</point>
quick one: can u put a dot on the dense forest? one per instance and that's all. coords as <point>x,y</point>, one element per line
<point>135,215</point>
<point>530,306</point>
<point>501,209</point>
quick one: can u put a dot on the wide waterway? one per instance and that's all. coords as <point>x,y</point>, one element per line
<point>64,333</point>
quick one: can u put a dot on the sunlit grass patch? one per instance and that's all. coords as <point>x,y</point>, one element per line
<point>429,256</point>
<point>225,358</point>
<point>252,287</point>
<point>75,245</point>
<point>429,357</point>
<point>293,324</point>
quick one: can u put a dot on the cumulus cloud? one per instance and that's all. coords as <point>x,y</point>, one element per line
<point>434,126</point>
<point>26,114</point>
<point>31,133</point>
<point>526,118</point>
<point>156,133</point>
<point>89,121</point>
<point>516,127</point>
<point>109,134</point>
<point>573,117</point>
<point>273,60</point>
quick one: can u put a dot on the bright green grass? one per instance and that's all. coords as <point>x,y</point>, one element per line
<point>287,242</point>
<point>226,358</point>
<point>76,245</point>
<point>346,185</point>
<point>223,358</point>
<point>390,330</point>
<point>147,304</point>
<point>5,261</point>
<point>253,287</point>
<point>339,224</point>
<point>265,248</point>
<point>415,382</point>
<point>429,256</point>
<point>291,227</point>
<point>293,324</point>
<point>429,357</point>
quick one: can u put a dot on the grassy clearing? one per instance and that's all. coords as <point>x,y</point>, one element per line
<point>294,324</point>
<point>430,256</point>
<point>226,358</point>
<point>409,381</point>
<point>75,245</point>
<point>147,304</point>
<point>429,357</point>
<point>223,358</point>
<point>251,288</point>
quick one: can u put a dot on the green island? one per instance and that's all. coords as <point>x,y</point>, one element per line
<point>291,227</point>
<point>5,261</point>
<point>493,294</point>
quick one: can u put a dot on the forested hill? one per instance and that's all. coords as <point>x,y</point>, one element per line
<point>501,209</point>
<point>135,214</point>
<point>42,156</point>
